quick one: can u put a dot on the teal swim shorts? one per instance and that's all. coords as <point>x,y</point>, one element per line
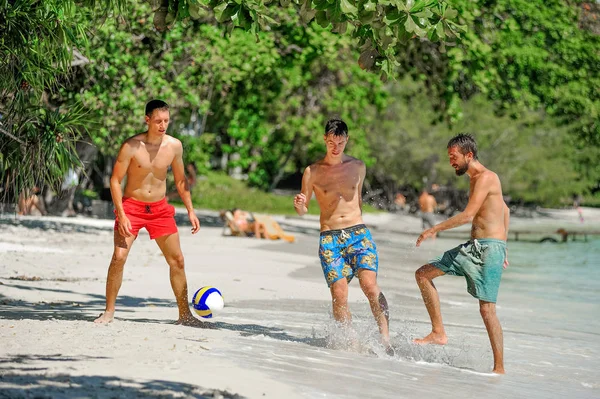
<point>480,261</point>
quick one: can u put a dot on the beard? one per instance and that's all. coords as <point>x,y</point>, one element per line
<point>462,169</point>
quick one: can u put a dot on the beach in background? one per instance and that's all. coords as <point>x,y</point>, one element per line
<point>275,337</point>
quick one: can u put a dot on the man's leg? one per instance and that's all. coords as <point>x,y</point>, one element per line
<point>122,245</point>
<point>339,301</point>
<point>425,276</point>
<point>171,249</point>
<point>494,329</point>
<point>377,301</point>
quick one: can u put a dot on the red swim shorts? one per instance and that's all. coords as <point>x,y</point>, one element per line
<point>157,217</point>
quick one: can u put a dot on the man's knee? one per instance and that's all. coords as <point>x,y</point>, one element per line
<point>487,310</point>
<point>176,261</point>
<point>422,275</point>
<point>119,257</point>
<point>339,291</point>
<point>370,288</point>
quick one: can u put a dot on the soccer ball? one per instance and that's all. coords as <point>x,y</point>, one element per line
<point>206,301</point>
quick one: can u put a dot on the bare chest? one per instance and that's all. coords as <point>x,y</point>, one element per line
<point>151,159</point>
<point>340,182</point>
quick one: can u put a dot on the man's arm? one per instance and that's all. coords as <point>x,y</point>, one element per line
<point>481,189</point>
<point>362,174</point>
<point>119,171</point>
<point>181,182</point>
<point>301,200</point>
<point>182,185</point>
<point>506,221</point>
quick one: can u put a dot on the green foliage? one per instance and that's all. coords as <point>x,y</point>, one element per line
<point>44,150</point>
<point>259,112</point>
<point>253,101</point>
<point>37,42</point>
<point>535,159</point>
<point>523,56</point>
<point>377,25</point>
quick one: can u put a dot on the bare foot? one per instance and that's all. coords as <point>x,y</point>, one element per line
<point>432,338</point>
<point>191,321</point>
<point>389,350</point>
<point>498,370</point>
<point>105,318</point>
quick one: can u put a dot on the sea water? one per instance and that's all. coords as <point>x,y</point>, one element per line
<point>549,308</point>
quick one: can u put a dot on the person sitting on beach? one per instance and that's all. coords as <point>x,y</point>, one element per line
<point>481,259</point>
<point>246,223</point>
<point>30,199</point>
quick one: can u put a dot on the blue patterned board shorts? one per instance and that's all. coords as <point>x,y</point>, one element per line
<point>480,261</point>
<point>343,252</point>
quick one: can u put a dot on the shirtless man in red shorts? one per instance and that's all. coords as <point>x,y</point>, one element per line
<point>144,159</point>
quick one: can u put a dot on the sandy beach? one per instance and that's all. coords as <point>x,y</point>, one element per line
<point>272,339</point>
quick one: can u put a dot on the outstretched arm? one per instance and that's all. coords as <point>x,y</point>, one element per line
<point>481,190</point>
<point>301,200</point>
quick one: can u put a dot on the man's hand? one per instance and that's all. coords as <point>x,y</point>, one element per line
<point>194,221</point>
<point>124,226</point>
<point>505,264</point>
<point>425,235</point>
<point>300,203</point>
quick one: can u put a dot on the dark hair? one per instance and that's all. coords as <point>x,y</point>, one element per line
<point>465,142</point>
<point>337,127</point>
<point>156,104</point>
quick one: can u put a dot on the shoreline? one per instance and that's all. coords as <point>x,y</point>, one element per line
<point>270,341</point>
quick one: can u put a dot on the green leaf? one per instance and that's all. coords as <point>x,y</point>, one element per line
<point>218,10</point>
<point>194,10</point>
<point>322,19</point>
<point>348,8</point>
<point>370,6</point>
<point>450,13</point>
<point>439,29</point>
<point>410,25</point>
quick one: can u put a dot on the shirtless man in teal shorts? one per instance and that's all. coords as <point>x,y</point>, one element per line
<point>346,247</point>
<point>481,259</point>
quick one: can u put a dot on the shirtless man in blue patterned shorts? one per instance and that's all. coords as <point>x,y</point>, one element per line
<point>346,246</point>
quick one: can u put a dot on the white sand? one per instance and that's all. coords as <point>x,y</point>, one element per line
<point>52,278</point>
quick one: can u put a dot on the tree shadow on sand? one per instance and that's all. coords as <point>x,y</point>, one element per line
<point>12,309</point>
<point>24,376</point>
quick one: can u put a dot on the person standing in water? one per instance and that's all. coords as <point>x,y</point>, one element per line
<point>427,204</point>
<point>346,246</point>
<point>481,259</point>
<point>145,159</point>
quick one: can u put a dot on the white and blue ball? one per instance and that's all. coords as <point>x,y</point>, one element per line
<point>206,301</point>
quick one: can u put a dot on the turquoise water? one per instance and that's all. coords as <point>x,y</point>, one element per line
<point>559,282</point>
<point>549,308</point>
<point>548,305</point>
